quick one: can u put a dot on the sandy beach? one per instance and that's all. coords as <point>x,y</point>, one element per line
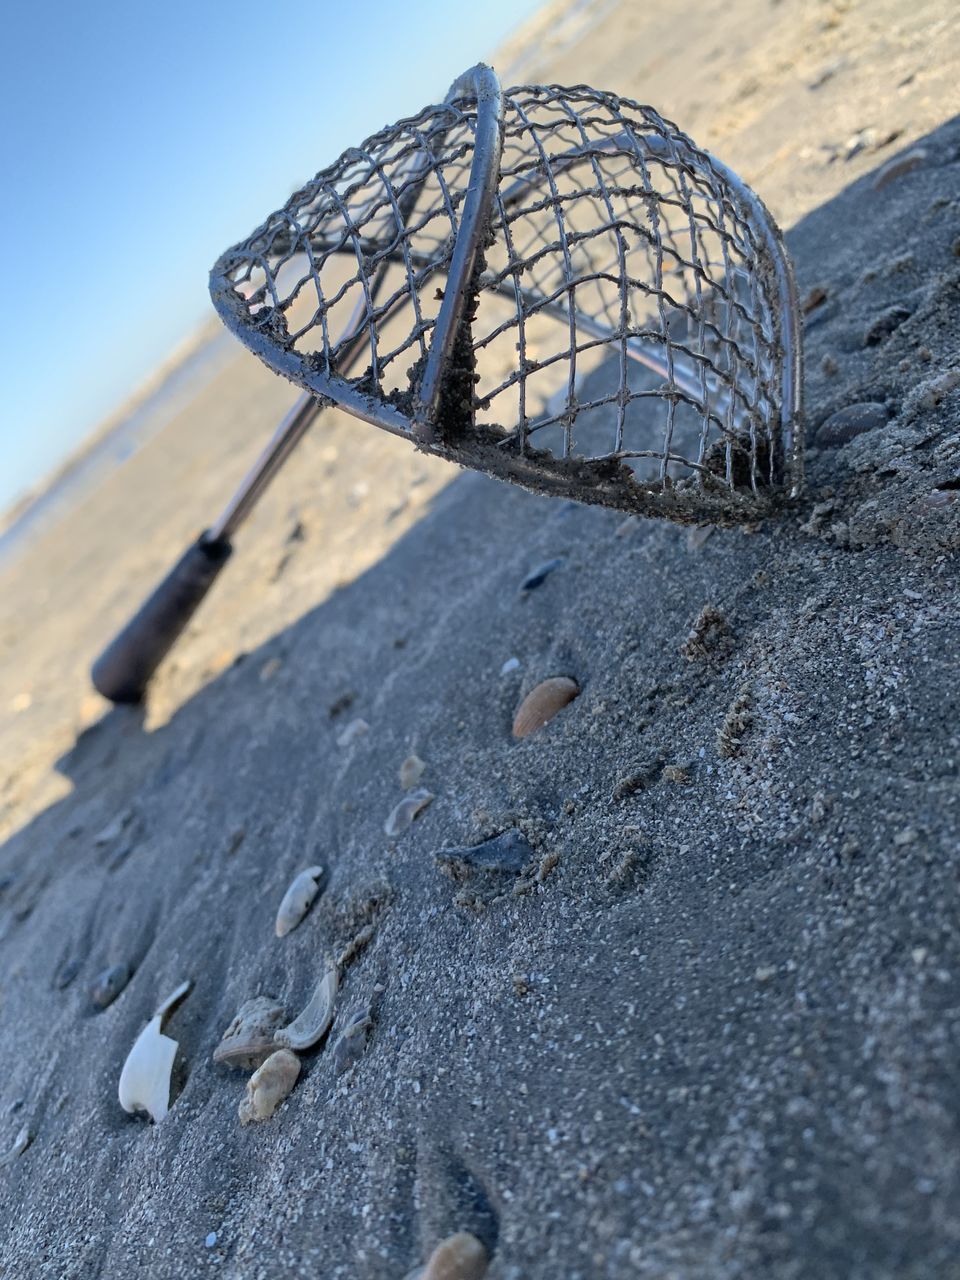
<point>711,1031</point>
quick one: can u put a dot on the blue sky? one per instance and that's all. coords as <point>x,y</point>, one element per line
<point>139,140</point>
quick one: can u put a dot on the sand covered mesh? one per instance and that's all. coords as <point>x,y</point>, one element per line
<point>629,334</point>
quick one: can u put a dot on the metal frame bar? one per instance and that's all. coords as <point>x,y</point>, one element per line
<point>481,83</point>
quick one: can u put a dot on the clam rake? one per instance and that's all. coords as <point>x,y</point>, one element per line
<point>554,286</point>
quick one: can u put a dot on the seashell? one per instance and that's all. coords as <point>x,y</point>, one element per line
<point>508,851</point>
<point>851,421</point>
<point>298,899</point>
<point>353,1039</point>
<point>113,829</point>
<point>406,811</point>
<point>269,1085</point>
<point>459,1257</point>
<point>145,1078</point>
<point>313,1022</point>
<point>542,703</point>
<point>354,730</point>
<point>108,984</point>
<point>248,1041</point>
<point>540,575</point>
<point>20,1144</point>
<point>67,972</point>
<point>411,771</point>
<point>898,166</point>
<point>511,665</point>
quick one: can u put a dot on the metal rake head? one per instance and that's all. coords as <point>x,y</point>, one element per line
<point>552,285</point>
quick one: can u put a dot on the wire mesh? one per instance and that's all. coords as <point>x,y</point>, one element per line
<point>626,335</point>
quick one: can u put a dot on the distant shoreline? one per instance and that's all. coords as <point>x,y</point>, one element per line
<point>20,506</point>
<point>142,414</point>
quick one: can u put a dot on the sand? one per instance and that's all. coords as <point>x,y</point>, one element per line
<point>713,1032</point>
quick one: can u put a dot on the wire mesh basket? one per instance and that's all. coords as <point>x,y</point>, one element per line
<point>552,285</point>
<point>555,286</point>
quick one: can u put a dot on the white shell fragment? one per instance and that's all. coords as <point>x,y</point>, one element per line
<point>269,1085</point>
<point>313,1023</point>
<point>406,811</point>
<point>298,899</point>
<point>145,1078</point>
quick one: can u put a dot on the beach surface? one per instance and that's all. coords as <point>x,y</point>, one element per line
<point>711,1028</point>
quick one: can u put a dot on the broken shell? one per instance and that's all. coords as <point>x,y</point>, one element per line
<point>507,852</point>
<point>353,1039</point>
<point>406,811</point>
<point>269,1085</point>
<point>411,771</point>
<point>248,1041</point>
<point>459,1257</point>
<point>20,1144</point>
<point>108,984</point>
<point>542,703</point>
<point>145,1078</point>
<point>314,1021</point>
<point>298,899</point>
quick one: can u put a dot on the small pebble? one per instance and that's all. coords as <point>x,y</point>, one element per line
<point>898,166</point>
<point>851,421</point>
<point>411,771</point>
<point>405,813</point>
<point>539,576</point>
<point>211,1240</point>
<point>108,984</point>
<point>507,852</point>
<point>511,664</point>
<point>354,730</point>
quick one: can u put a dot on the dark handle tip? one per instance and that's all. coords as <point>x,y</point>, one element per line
<point>123,670</point>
